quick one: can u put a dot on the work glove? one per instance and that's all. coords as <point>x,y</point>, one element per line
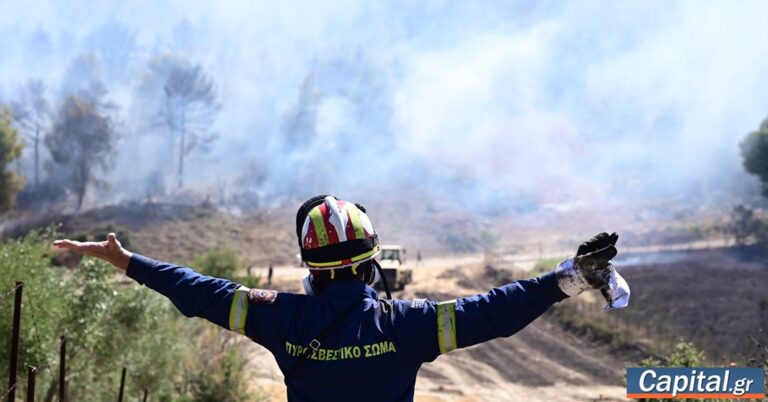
<point>591,268</point>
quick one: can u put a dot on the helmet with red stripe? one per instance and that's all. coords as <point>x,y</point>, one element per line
<point>334,234</point>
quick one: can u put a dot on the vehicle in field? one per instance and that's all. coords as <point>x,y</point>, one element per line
<point>393,265</point>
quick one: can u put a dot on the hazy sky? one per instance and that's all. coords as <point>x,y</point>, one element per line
<point>546,101</point>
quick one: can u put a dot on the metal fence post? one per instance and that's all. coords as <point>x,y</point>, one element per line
<point>15,342</point>
<point>122,386</point>
<point>62,369</point>
<point>31,372</point>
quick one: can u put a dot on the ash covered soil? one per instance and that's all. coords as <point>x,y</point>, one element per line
<point>714,298</point>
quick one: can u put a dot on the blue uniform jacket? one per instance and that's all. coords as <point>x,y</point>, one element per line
<point>375,353</point>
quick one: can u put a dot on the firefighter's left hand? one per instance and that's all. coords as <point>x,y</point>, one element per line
<point>109,250</point>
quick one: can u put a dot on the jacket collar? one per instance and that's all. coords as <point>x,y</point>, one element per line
<point>348,289</point>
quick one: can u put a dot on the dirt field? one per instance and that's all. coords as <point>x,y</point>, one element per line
<point>541,363</point>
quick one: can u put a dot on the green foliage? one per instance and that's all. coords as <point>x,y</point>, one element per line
<point>109,324</point>
<point>223,262</point>
<point>26,260</point>
<point>754,154</point>
<point>10,150</point>
<point>220,262</point>
<point>218,374</point>
<point>685,354</point>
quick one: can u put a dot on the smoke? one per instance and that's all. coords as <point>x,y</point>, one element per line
<point>502,103</point>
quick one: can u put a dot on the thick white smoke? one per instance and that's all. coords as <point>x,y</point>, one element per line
<point>542,102</point>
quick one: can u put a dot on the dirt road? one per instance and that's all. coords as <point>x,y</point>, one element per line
<point>541,363</point>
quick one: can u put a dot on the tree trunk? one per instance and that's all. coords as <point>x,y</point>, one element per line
<point>37,155</point>
<point>182,149</point>
<point>80,196</point>
<point>81,186</point>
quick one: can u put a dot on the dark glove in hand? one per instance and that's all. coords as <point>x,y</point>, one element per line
<point>593,259</point>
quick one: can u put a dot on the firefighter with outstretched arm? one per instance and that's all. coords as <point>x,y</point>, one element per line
<point>340,341</point>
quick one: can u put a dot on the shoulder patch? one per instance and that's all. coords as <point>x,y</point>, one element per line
<point>262,296</point>
<point>418,303</point>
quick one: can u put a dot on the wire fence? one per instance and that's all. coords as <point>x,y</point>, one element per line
<point>11,291</point>
<point>8,392</point>
<point>16,343</point>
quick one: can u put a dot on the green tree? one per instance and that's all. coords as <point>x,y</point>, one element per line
<point>10,150</point>
<point>754,154</point>
<point>82,140</point>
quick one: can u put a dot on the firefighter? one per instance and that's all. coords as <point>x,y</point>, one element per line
<point>340,341</point>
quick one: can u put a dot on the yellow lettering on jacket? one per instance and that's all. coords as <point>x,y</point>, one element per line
<point>342,353</point>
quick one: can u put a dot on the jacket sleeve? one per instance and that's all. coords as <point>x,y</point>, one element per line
<point>219,301</point>
<point>439,327</point>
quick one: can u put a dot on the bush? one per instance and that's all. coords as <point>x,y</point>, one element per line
<point>220,262</point>
<point>225,263</point>
<point>26,260</point>
<point>108,326</point>
<point>684,354</point>
<point>217,374</point>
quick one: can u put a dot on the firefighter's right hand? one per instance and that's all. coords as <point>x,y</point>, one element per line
<point>109,250</point>
<point>594,257</point>
<point>591,267</point>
